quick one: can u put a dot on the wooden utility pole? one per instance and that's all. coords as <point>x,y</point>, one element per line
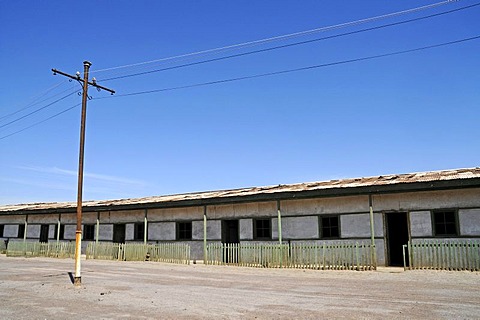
<point>78,234</point>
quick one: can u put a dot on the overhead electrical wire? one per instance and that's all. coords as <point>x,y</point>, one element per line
<point>255,52</point>
<point>40,122</point>
<point>34,101</point>
<point>293,70</point>
<point>289,45</point>
<point>35,111</point>
<point>284,37</point>
<point>257,76</point>
<point>268,49</point>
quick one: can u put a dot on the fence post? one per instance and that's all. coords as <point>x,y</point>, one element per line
<point>279,218</point>
<point>145,228</point>
<point>97,232</point>
<point>372,232</point>
<point>205,258</point>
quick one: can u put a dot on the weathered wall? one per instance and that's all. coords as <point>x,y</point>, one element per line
<point>51,231</point>
<point>70,218</point>
<point>175,214</point>
<point>10,231</point>
<point>105,232</point>
<point>33,231</point>
<point>161,231</point>
<point>129,231</point>
<point>43,219</point>
<point>420,224</point>
<point>426,200</point>
<point>335,205</point>
<point>10,218</point>
<point>69,232</point>
<point>296,228</point>
<point>213,230</point>
<point>469,220</point>
<point>246,229</point>
<point>242,210</point>
<point>358,225</point>
<point>123,216</point>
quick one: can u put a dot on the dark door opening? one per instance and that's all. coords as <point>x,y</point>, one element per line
<point>397,236</point>
<point>44,228</point>
<point>119,233</point>
<point>230,231</point>
<point>230,236</point>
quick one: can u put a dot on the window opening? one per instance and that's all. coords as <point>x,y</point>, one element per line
<point>262,229</point>
<point>330,227</point>
<point>184,230</point>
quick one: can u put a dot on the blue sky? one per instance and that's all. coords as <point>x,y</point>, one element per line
<point>405,113</point>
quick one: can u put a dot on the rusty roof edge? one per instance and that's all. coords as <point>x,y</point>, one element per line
<point>299,190</point>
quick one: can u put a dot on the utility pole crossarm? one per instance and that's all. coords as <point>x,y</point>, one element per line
<point>93,83</point>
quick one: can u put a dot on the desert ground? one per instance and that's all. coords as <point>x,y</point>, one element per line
<point>41,288</point>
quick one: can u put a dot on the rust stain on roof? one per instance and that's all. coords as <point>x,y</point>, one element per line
<point>444,175</point>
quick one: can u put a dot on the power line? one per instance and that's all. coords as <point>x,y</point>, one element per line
<point>34,100</point>
<point>295,70</point>
<point>291,44</point>
<point>260,75</point>
<point>40,122</point>
<point>287,36</point>
<point>37,110</point>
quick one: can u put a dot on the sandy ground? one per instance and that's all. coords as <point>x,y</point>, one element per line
<point>40,288</point>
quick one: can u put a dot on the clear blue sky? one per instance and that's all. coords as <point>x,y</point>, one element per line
<point>414,112</point>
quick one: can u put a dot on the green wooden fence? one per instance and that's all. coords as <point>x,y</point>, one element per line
<point>3,246</point>
<point>443,255</point>
<point>41,249</point>
<point>163,252</point>
<point>334,256</point>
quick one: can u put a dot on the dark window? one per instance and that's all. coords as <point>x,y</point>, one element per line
<point>88,232</point>
<point>139,231</point>
<point>119,233</point>
<point>2,227</point>
<point>445,223</point>
<point>44,230</point>
<point>262,229</point>
<point>330,227</point>
<point>62,232</point>
<point>21,231</point>
<point>184,231</point>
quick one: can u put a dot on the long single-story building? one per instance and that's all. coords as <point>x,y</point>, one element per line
<point>397,208</point>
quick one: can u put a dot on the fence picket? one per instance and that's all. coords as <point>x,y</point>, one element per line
<point>335,256</point>
<point>445,255</point>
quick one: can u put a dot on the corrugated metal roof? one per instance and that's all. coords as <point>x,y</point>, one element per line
<point>393,179</point>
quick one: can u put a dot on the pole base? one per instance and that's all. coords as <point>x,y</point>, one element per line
<point>77,281</point>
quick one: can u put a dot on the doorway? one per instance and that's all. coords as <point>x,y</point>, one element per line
<point>230,236</point>
<point>230,231</point>
<point>119,233</point>
<point>397,236</point>
<point>44,228</point>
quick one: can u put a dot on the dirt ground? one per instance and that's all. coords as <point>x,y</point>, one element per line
<point>40,288</point>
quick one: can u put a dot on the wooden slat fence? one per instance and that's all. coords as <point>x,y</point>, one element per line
<point>337,256</point>
<point>41,249</point>
<point>163,252</point>
<point>443,255</point>
<point>3,246</point>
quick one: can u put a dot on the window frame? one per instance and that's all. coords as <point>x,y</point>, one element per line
<point>86,235</point>
<point>189,231</point>
<point>455,222</point>
<point>21,231</point>
<point>321,223</point>
<point>256,227</point>
<point>137,236</point>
